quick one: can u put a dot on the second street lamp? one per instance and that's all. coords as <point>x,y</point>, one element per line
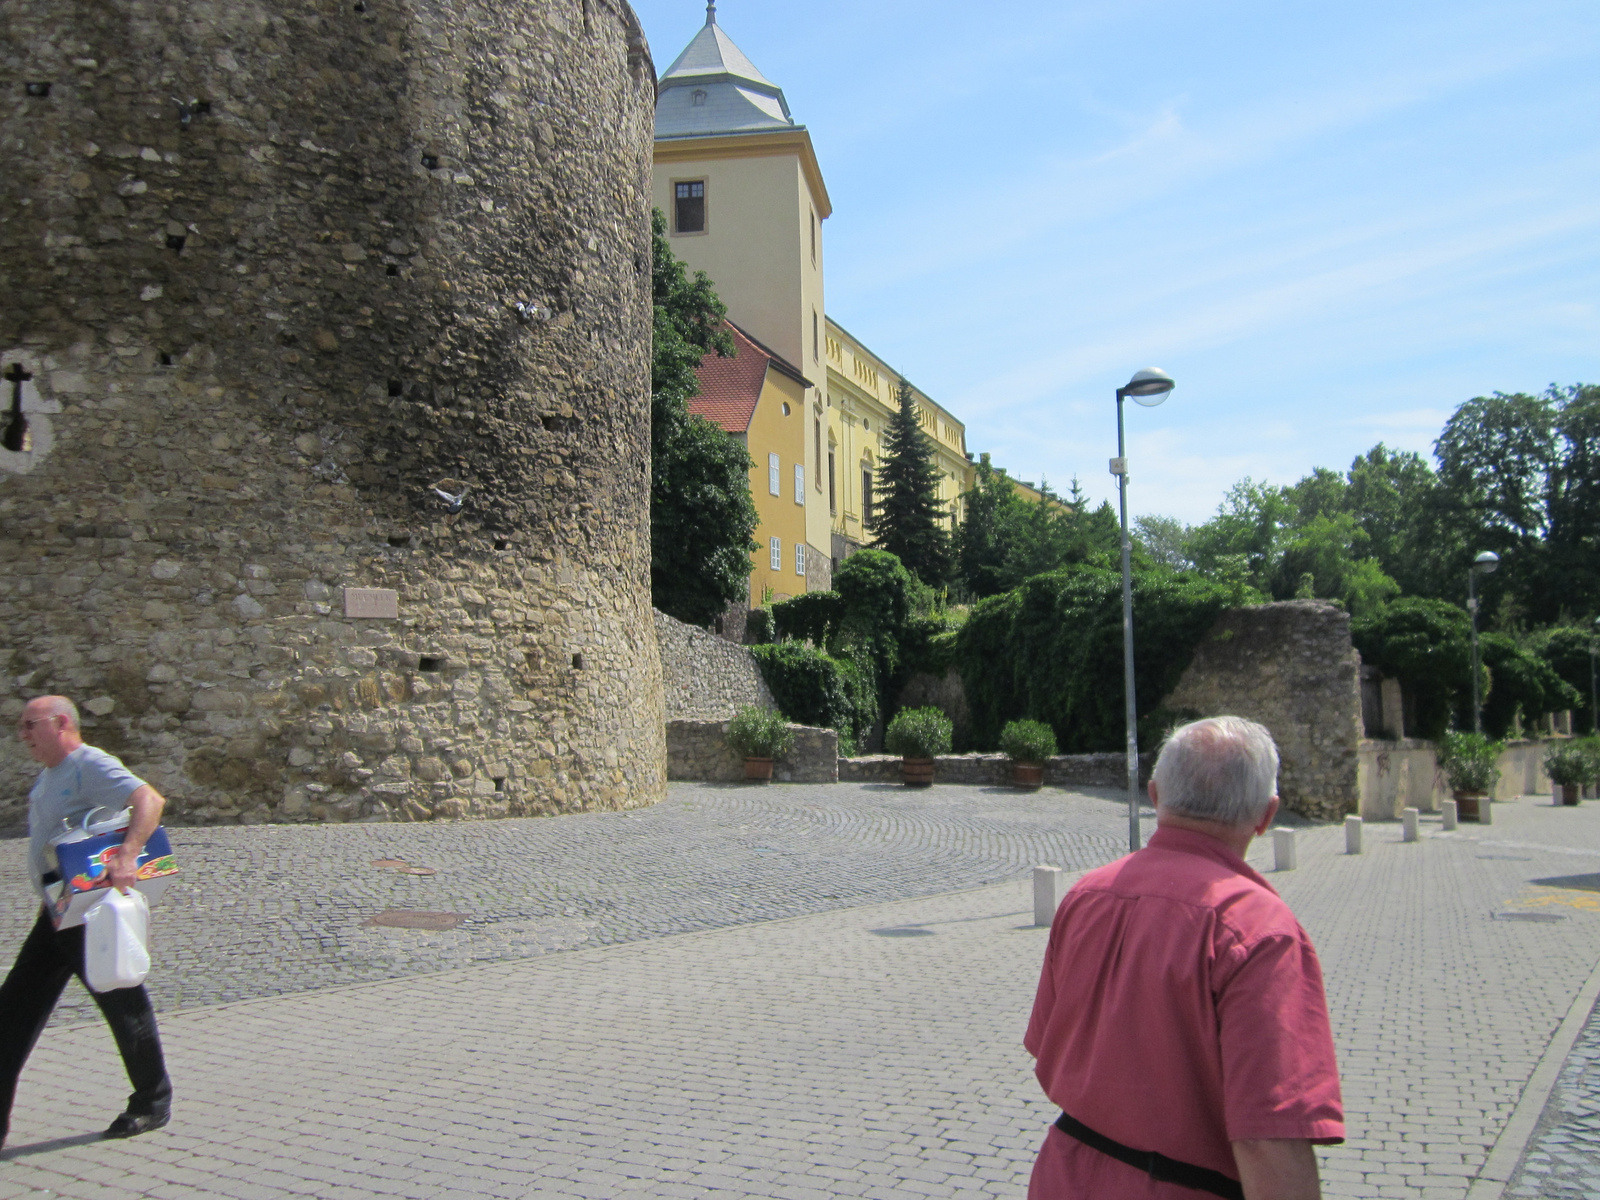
<point>1148,387</point>
<point>1486,563</point>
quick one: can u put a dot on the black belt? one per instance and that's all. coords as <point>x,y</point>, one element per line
<point>1158,1166</point>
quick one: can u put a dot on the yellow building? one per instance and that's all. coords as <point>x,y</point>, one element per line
<point>745,202</point>
<point>759,399</point>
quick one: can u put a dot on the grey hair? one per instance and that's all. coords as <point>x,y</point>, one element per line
<point>59,706</point>
<point>1222,769</point>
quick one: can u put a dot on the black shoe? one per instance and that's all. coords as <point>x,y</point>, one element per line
<point>133,1124</point>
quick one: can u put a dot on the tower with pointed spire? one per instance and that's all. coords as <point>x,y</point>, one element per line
<point>738,182</point>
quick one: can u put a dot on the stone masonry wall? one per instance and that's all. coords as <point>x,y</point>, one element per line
<point>706,677</point>
<point>330,325</point>
<point>994,770</point>
<point>1291,667</point>
<point>699,750</point>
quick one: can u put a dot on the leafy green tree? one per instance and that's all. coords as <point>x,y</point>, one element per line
<point>990,506</point>
<point>1427,646</point>
<point>1246,530</point>
<point>1573,502</point>
<point>1567,649</point>
<point>1165,541</point>
<point>1323,558</point>
<point>701,512</point>
<point>907,510</point>
<point>1520,684</point>
<point>1402,507</point>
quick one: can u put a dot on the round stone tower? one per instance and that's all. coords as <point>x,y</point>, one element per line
<point>324,401</point>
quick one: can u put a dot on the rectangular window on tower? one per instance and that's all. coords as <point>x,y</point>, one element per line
<point>813,238</point>
<point>816,425</point>
<point>866,496</point>
<point>799,558</point>
<point>833,497</point>
<point>689,206</point>
<point>775,545</point>
<point>799,483</point>
<point>816,351</point>
<point>774,484</point>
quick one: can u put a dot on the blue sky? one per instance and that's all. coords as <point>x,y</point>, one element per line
<point>1332,223</point>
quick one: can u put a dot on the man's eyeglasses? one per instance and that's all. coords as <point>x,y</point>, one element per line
<point>26,725</point>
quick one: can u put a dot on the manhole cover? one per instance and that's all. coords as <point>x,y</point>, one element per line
<point>903,932</point>
<point>1540,918</point>
<point>399,918</point>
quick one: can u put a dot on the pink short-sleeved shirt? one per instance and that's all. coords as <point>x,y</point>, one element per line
<point>1180,1009</point>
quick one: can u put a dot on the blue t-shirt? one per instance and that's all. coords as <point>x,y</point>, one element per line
<point>87,778</point>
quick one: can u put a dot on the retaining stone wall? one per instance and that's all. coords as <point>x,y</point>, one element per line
<point>994,770</point>
<point>706,677</point>
<point>260,262</point>
<point>1291,667</point>
<point>699,750</point>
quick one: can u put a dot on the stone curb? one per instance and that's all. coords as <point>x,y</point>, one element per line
<point>1502,1162</point>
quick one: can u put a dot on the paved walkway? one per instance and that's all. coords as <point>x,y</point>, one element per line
<point>870,1050</point>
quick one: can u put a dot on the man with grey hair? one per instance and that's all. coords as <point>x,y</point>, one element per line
<point>1180,1021</point>
<point>77,778</point>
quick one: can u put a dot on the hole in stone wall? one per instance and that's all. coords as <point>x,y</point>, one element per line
<point>499,783</point>
<point>394,387</point>
<point>38,89</point>
<point>16,437</point>
<point>430,162</point>
<point>399,539</point>
<point>577,662</point>
<point>719,624</point>
<point>428,663</point>
<point>391,269</point>
<point>175,242</point>
<point>359,7</point>
<point>501,544</point>
<point>165,359</point>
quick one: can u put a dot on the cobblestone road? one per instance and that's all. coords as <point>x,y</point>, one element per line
<point>870,1051</point>
<point>268,910</point>
<point>1563,1158</point>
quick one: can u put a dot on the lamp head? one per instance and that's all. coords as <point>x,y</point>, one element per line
<point>1486,563</point>
<point>1149,387</point>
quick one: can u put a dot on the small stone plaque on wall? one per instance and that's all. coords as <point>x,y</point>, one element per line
<point>382,603</point>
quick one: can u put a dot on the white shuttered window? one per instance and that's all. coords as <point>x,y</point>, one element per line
<point>774,485</point>
<point>799,483</point>
<point>799,558</point>
<point>776,545</point>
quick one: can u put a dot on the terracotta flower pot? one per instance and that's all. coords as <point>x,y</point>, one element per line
<point>1467,804</point>
<point>758,769</point>
<point>1569,793</point>
<point>1027,775</point>
<point>916,772</point>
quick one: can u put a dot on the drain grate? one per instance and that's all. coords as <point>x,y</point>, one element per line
<point>400,918</point>
<point>1538,918</point>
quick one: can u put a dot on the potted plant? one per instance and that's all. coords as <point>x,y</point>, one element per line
<point>1569,768</point>
<point>1027,744</point>
<point>918,736</point>
<point>759,735</point>
<point>1471,763</point>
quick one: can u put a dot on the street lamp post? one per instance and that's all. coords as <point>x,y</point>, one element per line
<point>1149,388</point>
<point>1485,563</point>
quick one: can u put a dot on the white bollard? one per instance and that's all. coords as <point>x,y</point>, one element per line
<point>1486,811</point>
<point>1046,894</point>
<point>1408,824</point>
<point>1283,849</point>
<point>1352,835</point>
<point>1448,808</point>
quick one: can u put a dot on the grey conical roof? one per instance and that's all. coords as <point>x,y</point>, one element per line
<point>713,88</point>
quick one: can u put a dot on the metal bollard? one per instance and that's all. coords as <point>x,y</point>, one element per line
<point>1283,854</point>
<point>1046,894</point>
<point>1448,809</point>
<point>1408,823</point>
<point>1352,835</point>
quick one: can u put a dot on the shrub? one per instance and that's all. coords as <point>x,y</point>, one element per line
<point>1427,646</point>
<point>812,617</point>
<point>1519,682</point>
<point>1591,750</point>
<point>1028,741</point>
<point>758,627</point>
<point>757,732</point>
<point>1566,650</point>
<point>814,688</point>
<point>875,591</point>
<point>1051,648</point>
<point>918,733</point>
<point>1568,764</point>
<point>1470,761</point>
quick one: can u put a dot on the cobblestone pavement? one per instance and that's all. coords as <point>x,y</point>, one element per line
<point>868,1051</point>
<point>1563,1158</point>
<point>267,910</point>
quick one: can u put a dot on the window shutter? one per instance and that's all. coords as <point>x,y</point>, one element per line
<point>776,545</point>
<point>799,483</point>
<point>773,486</point>
<point>799,558</point>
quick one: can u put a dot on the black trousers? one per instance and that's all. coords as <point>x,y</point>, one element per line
<point>29,994</point>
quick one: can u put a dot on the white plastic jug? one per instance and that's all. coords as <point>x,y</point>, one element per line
<point>116,937</point>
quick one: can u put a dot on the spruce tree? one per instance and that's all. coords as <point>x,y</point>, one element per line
<point>906,508</point>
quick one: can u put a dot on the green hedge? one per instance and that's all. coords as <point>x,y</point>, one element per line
<point>1051,650</point>
<point>814,688</point>
<point>1519,681</point>
<point>1427,646</point>
<point>812,617</point>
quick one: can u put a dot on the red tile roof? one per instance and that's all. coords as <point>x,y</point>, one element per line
<point>731,387</point>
